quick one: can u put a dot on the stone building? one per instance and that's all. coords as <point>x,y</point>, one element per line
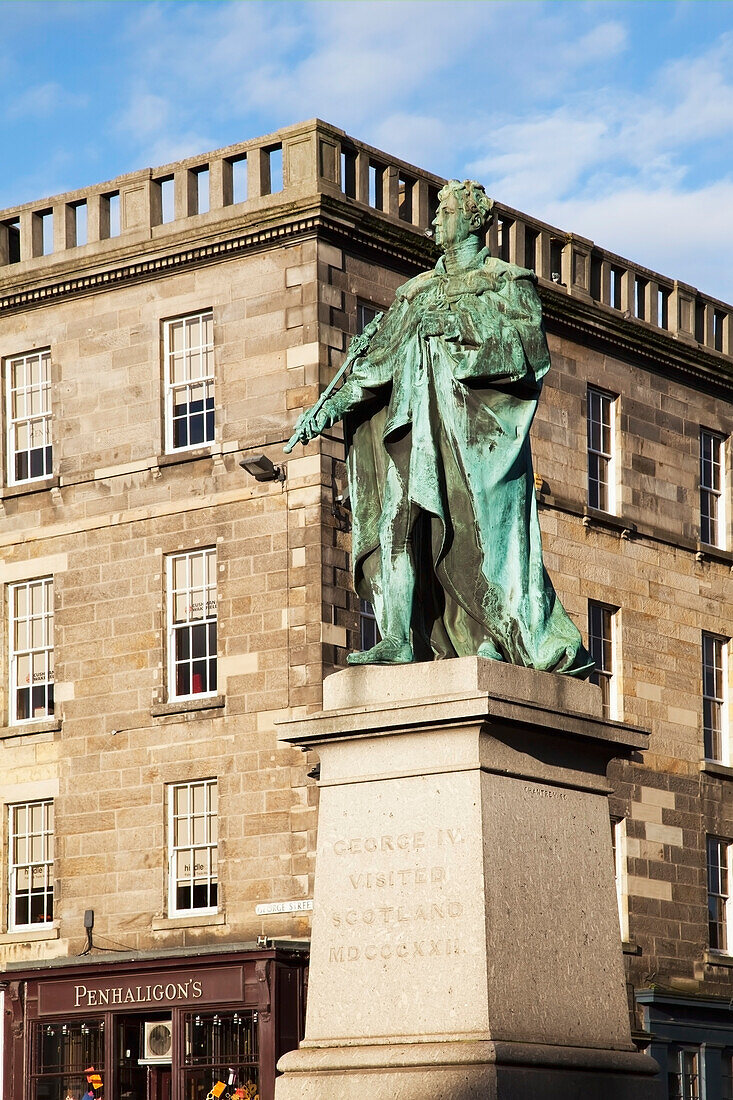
<point>163,607</point>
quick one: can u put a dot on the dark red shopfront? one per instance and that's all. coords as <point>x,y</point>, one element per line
<point>154,1028</point>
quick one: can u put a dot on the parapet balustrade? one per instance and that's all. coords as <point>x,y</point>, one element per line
<point>141,201</point>
<point>313,157</point>
<point>584,270</point>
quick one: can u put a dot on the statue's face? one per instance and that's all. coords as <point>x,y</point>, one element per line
<point>451,224</point>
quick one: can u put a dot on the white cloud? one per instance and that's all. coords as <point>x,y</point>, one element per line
<point>601,42</point>
<point>146,115</point>
<point>542,157</point>
<point>369,67</point>
<point>633,169</point>
<point>165,150</point>
<point>681,234</point>
<point>360,60</point>
<point>424,140</point>
<point>555,106</point>
<point>40,100</point>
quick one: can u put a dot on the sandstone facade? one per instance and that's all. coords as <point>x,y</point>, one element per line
<point>282,273</point>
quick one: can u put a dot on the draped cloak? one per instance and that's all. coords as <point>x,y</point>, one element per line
<point>439,424</point>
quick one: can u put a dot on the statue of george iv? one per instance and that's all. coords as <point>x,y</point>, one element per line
<point>437,410</point>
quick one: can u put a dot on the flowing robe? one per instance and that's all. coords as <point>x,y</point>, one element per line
<point>437,430</point>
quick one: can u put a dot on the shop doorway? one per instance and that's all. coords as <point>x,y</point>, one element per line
<point>159,1083</point>
<point>136,1078</point>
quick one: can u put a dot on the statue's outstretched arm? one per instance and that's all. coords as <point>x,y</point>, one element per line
<point>370,360</point>
<point>324,414</point>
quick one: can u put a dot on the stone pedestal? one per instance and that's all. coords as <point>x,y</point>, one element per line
<point>465,932</point>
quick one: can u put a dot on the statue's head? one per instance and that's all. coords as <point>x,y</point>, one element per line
<point>464,209</point>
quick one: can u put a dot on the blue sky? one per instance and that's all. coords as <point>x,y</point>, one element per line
<point>611,119</point>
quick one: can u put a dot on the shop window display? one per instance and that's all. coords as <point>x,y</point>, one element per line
<point>220,1045</point>
<point>63,1054</point>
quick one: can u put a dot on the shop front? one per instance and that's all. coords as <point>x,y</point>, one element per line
<point>153,1028</point>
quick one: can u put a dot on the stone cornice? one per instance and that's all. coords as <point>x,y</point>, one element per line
<point>402,246</point>
<point>180,257</point>
<point>384,239</point>
<point>377,237</point>
<point>635,342</point>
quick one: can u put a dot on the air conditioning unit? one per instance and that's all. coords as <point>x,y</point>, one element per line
<point>157,1042</point>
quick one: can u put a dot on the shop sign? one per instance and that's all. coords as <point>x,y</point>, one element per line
<point>268,908</point>
<point>151,989</point>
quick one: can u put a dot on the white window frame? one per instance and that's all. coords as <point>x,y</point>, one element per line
<point>598,452</point>
<point>204,378</point>
<point>606,675</point>
<point>687,1084</point>
<point>620,868</point>
<point>194,598</point>
<point>715,701</point>
<point>712,489</point>
<point>206,845</point>
<point>718,886</point>
<point>38,422</point>
<point>37,868</point>
<point>35,655</point>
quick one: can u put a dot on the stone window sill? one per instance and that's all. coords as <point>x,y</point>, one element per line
<point>630,947</point>
<point>206,920</point>
<point>173,458</point>
<point>718,958</point>
<point>41,485</point>
<point>187,706</point>
<point>714,767</point>
<point>704,551</point>
<point>28,729</point>
<point>31,935</point>
<point>594,517</point>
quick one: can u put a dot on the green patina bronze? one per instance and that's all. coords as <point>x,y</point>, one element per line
<point>437,410</point>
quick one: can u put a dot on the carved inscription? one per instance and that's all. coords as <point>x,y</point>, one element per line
<point>387,951</point>
<point>546,792</point>
<point>400,914</point>
<point>402,906</point>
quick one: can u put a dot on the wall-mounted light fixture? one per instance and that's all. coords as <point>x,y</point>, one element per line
<point>262,468</point>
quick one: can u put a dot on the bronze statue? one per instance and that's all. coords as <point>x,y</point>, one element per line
<point>437,410</point>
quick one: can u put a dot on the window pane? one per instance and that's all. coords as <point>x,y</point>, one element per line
<point>600,644</point>
<point>600,448</point>
<point>368,630</point>
<point>28,414</point>
<point>215,1042</point>
<point>31,867</point>
<point>189,381</point>
<point>198,796</point>
<point>717,893</point>
<point>193,623</point>
<point>193,861</point>
<point>181,799</point>
<point>70,1047</point>
<point>183,866</point>
<point>711,486</point>
<point>713,689</point>
<point>31,657</point>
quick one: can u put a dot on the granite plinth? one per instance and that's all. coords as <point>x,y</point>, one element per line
<point>465,930</point>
